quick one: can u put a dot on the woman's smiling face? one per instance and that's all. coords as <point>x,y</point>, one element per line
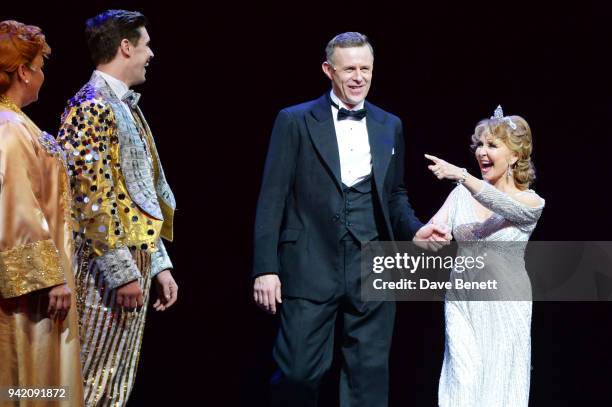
<point>494,157</point>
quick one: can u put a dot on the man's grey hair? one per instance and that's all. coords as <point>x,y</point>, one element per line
<point>346,40</point>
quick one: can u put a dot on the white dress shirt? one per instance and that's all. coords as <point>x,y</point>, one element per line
<point>353,145</point>
<point>118,87</point>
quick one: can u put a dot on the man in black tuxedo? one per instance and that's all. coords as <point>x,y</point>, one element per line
<point>334,176</point>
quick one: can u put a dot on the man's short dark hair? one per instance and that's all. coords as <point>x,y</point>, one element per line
<point>346,40</point>
<point>105,32</point>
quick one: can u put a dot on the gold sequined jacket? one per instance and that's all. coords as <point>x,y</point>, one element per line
<point>121,198</point>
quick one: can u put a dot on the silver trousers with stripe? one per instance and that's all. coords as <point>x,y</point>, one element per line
<point>111,336</point>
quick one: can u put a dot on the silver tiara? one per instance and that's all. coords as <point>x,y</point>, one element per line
<point>499,115</point>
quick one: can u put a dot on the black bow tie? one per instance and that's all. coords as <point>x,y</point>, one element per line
<point>131,98</point>
<point>344,114</point>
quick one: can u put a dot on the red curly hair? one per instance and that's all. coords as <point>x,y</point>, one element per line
<point>20,44</point>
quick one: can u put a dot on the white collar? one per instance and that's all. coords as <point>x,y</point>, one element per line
<point>118,86</point>
<point>340,103</point>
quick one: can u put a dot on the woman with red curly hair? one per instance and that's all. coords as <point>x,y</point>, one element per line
<point>39,342</point>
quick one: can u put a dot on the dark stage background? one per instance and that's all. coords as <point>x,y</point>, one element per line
<point>213,90</point>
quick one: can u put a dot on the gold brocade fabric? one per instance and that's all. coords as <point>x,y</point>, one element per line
<point>107,216</point>
<point>30,267</point>
<point>35,351</point>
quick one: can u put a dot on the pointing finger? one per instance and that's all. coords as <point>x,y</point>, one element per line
<point>432,158</point>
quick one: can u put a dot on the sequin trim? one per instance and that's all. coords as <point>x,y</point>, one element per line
<point>160,260</point>
<point>118,267</point>
<point>29,268</point>
<point>49,143</point>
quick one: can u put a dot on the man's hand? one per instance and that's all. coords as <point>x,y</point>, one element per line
<point>432,237</point>
<point>167,290</point>
<point>130,295</point>
<point>267,292</point>
<point>59,301</point>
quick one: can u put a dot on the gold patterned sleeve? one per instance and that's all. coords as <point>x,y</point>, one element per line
<point>29,259</point>
<point>88,136</point>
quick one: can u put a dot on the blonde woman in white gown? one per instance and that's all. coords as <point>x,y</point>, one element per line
<point>487,357</point>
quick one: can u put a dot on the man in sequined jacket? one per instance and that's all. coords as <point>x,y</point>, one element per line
<point>122,207</point>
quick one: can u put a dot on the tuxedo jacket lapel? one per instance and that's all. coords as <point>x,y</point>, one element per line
<point>382,140</point>
<point>323,135</point>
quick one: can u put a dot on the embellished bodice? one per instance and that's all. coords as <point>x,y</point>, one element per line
<point>510,220</point>
<point>501,238</point>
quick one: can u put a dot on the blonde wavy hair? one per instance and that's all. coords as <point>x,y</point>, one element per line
<point>517,140</point>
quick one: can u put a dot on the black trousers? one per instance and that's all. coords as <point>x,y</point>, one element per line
<point>304,346</point>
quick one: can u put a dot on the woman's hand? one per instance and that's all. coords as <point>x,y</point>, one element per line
<point>443,169</point>
<point>59,301</point>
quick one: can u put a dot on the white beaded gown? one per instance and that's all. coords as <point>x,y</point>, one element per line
<point>487,355</point>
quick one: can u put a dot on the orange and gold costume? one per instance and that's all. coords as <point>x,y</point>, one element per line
<point>36,253</point>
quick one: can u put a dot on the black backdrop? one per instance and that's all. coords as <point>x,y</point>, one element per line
<point>221,73</point>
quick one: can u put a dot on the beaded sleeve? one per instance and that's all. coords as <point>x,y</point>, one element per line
<point>160,260</point>
<point>509,208</point>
